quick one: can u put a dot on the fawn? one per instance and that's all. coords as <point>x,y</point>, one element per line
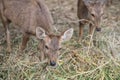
<point>91,10</point>
<point>33,18</point>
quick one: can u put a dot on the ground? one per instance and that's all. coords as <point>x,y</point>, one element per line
<point>78,61</point>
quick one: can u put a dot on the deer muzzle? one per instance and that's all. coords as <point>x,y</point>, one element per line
<point>52,63</point>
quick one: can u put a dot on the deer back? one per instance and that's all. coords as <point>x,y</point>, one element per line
<point>28,14</point>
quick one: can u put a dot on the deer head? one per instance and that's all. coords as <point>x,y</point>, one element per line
<point>95,11</point>
<point>53,43</point>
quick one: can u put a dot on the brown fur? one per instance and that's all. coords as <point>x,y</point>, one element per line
<point>25,15</point>
<point>28,14</point>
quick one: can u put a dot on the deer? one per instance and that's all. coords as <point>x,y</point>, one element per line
<point>33,18</point>
<point>92,11</point>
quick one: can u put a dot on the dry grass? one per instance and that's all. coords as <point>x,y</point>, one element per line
<point>78,61</point>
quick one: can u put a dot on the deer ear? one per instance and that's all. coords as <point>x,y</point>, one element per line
<point>104,2</point>
<point>86,2</point>
<point>67,35</point>
<point>40,33</point>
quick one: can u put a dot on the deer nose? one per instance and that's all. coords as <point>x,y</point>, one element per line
<point>52,63</point>
<point>98,29</point>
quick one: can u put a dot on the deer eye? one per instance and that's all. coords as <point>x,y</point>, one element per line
<point>60,48</point>
<point>92,15</point>
<point>46,47</point>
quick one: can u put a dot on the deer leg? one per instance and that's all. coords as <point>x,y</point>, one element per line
<point>7,32</point>
<point>8,40</point>
<point>80,30</point>
<point>91,29</point>
<point>6,26</point>
<point>24,41</point>
<point>91,32</point>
